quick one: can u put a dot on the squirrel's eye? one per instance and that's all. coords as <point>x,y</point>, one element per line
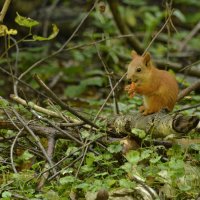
<point>138,69</point>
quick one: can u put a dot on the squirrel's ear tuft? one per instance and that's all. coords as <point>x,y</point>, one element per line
<point>133,54</point>
<point>147,58</point>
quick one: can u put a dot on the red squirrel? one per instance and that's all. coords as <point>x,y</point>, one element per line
<point>158,87</point>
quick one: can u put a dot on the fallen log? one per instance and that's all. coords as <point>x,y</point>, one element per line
<point>159,125</point>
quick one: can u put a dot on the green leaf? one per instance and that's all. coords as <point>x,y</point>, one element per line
<point>127,167</point>
<point>54,33</point>
<point>85,134</point>
<point>4,103</point>
<point>71,150</point>
<point>26,155</point>
<point>196,147</point>
<point>90,159</point>
<point>184,187</point>
<point>138,132</point>
<point>84,186</point>
<point>155,160</point>
<point>6,194</point>
<point>75,90</point>
<point>66,180</point>
<point>146,154</point>
<point>133,156</point>
<point>24,21</point>
<point>97,81</point>
<point>86,168</point>
<point>115,148</point>
<point>126,183</point>
<point>176,164</point>
<point>179,15</point>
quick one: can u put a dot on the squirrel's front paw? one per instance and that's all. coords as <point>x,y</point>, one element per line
<point>148,112</point>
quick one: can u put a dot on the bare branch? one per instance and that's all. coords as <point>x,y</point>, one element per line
<point>188,90</point>
<point>61,103</point>
<point>4,10</point>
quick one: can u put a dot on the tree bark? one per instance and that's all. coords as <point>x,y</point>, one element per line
<point>159,125</point>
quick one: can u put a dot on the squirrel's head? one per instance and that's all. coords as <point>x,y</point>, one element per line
<point>139,67</point>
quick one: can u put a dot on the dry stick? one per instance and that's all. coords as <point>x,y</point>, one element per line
<point>56,127</point>
<point>71,164</point>
<point>103,105</point>
<point>71,154</point>
<point>50,150</point>
<point>116,108</point>
<point>189,66</point>
<point>189,36</point>
<point>156,35</point>
<point>34,106</point>
<point>8,61</point>
<point>12,148</point>
<point>47,112</point>
<point>34,136</point>
<point>4,10</point>
<point>61,103</point>
<point>177,67</point>
<point>21,81</point>
<point>98,41</point>
<point>15,140</point>
<point>62,47</point>
<point>187,108</point>
<point>15,66</point>
<point>188,90</point>
<point>97,115</point>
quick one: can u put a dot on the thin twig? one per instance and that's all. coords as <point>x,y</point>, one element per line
<point>56,127</point>
<point>189,66</point>
<point>189,36</point>
<point>116,107</point>
<point>34,106</point>
<point>94,120</point>
<point>188,90</point>
<point>71,154</point>
<point>15,66</point>
<point>21,81</point>
<point>14,141</point>
<point>4,10</point>
<point>187,108</point>
<point>62,47</point>
<point>156,35</point>
<point>61,103</point>
<point>12,148</point>
<point>103,105</point>
<point>50,150</point>
<point>68,166</point>
<point>34,136</point>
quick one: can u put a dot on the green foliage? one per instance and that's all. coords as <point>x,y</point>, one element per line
<point>27,22</point>
<point>82,77</point>
<point>114,148</point>
<point>54,33</point>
